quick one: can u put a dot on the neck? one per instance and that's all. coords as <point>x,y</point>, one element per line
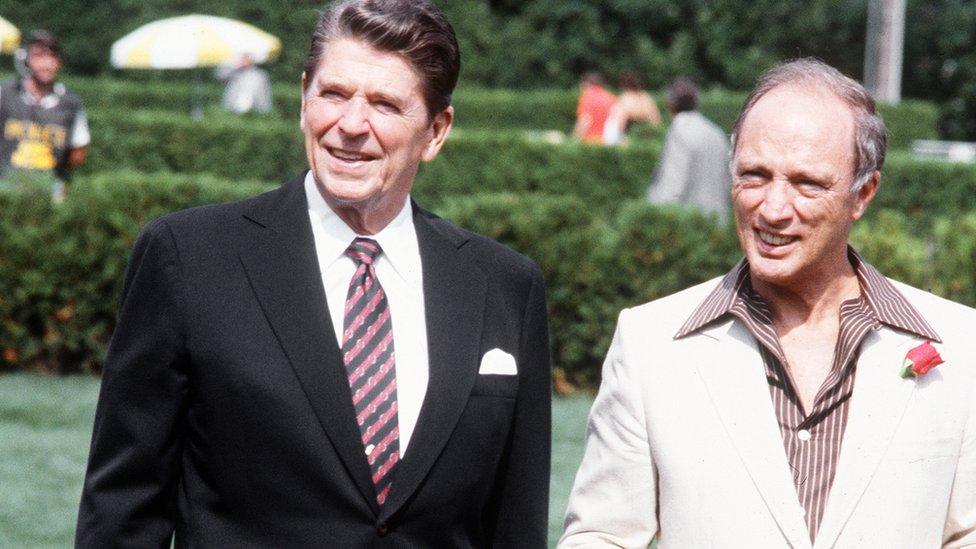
<point>37,89</point>
<point>368,219</point>
<point>363,224</point>
<point>816,300</point>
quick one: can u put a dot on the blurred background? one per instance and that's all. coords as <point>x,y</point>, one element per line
<point>531,44</point>
<point>163,140</point>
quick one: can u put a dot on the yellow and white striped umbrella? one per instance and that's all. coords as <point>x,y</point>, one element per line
<point>9,36</point>
<point>192,41</point>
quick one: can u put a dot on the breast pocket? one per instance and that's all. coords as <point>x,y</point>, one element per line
<point>496,385</point>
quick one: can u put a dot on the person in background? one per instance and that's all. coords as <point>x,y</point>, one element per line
<point>593,108</point>
<point>634,105</point>
<point>44,125</point>
<point>248,87</point>
<point>694,166</point>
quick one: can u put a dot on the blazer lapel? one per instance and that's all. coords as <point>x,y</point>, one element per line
<point>878,404</point>
<point>454,298</point>
<point>735,379</point>
<point>282,266</point>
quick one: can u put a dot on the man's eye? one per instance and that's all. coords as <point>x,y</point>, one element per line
<point>330,94</point>
<point>386,107</point>
<point>751,176</point>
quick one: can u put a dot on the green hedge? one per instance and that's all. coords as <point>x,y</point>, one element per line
<point>62,266</point>
<point>477,108</point>
<point>472,161</point>
<point>234,148</point>
<point>905,122</point>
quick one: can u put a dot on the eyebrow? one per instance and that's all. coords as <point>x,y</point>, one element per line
<point>383,96</point>
<point>746,166</point>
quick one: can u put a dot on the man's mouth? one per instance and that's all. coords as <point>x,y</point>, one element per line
<point>349,156</point>
<point>775,240</point>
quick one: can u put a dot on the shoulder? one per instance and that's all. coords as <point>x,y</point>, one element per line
<point>685,125</point>
<point>494,258</point>
<point>212,220</point>
<point>664,317</point>
<point>949,319</point>
<point>68,98</point>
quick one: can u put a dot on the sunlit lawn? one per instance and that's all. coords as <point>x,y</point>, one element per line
<point>45,428</point>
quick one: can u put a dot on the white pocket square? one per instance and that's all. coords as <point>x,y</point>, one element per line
<point>497,361</point>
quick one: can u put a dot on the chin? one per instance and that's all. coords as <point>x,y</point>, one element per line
<point>346,192</point>
<point>778,272</point>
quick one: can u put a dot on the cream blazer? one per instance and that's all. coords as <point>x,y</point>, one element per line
<point>682,443</point>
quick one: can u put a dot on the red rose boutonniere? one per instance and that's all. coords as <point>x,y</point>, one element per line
<point>920,360</point>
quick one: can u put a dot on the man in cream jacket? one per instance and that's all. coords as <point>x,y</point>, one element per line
<point>803,399</point>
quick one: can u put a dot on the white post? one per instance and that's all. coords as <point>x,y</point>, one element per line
<point>884,49</point>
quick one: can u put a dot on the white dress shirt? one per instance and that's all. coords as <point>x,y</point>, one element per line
<point>399,271</point>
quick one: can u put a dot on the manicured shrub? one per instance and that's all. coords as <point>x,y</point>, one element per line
<point>475,108</point>
<point>923,188</point>
<point>472,161</point>
<point>887,239</point>
<point>953,258</point>
<point>62,266</point>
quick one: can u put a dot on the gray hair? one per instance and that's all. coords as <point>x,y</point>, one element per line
<point>870,140</point>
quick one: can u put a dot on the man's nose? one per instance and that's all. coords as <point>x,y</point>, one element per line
<point>354,119</point>
<point>777,204</point>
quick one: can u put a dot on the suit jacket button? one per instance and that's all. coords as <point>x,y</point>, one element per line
<point>382,529</point>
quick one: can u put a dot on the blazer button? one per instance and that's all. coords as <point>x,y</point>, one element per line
<point>382,529</point>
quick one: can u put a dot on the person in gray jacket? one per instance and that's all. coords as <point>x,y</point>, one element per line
<point>694,166</point>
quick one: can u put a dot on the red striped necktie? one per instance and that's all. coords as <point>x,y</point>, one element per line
<point>367,351</point>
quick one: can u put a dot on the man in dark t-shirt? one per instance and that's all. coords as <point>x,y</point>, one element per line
<point>44,127</point>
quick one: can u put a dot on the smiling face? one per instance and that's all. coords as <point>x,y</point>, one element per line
<point>367,130</point>
<point>793,169</point>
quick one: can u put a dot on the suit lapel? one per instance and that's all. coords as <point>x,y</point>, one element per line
<point>282,266</point>
<point>878,404</point>
<point>454,297</point>
<point>735,379</point>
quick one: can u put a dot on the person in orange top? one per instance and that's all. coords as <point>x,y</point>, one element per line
<point>593,108</point>
<point>634,105</point>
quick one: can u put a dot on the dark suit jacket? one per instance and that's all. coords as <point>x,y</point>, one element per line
<point>225,414</point>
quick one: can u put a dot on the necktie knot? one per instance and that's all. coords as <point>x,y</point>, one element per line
<point>364,250</point>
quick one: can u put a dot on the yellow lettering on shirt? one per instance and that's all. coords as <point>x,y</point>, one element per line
<point>33,155</point>
<point>13,130</point>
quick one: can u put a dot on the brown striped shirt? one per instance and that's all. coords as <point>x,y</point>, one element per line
<point>812,439</point>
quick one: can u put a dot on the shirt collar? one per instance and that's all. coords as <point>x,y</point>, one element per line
<point>398,239</point>
<point>49,101</point>
<point>887,304</point>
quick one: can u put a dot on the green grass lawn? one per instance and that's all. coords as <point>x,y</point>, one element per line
<point>45,428</point>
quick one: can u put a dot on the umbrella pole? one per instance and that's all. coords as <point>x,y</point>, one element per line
<point>196,102</point>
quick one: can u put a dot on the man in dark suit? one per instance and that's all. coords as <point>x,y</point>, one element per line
<point>327,364</point>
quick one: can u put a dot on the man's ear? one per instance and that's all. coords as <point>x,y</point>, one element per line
<point>866,194</point>
<point>441,126</point>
